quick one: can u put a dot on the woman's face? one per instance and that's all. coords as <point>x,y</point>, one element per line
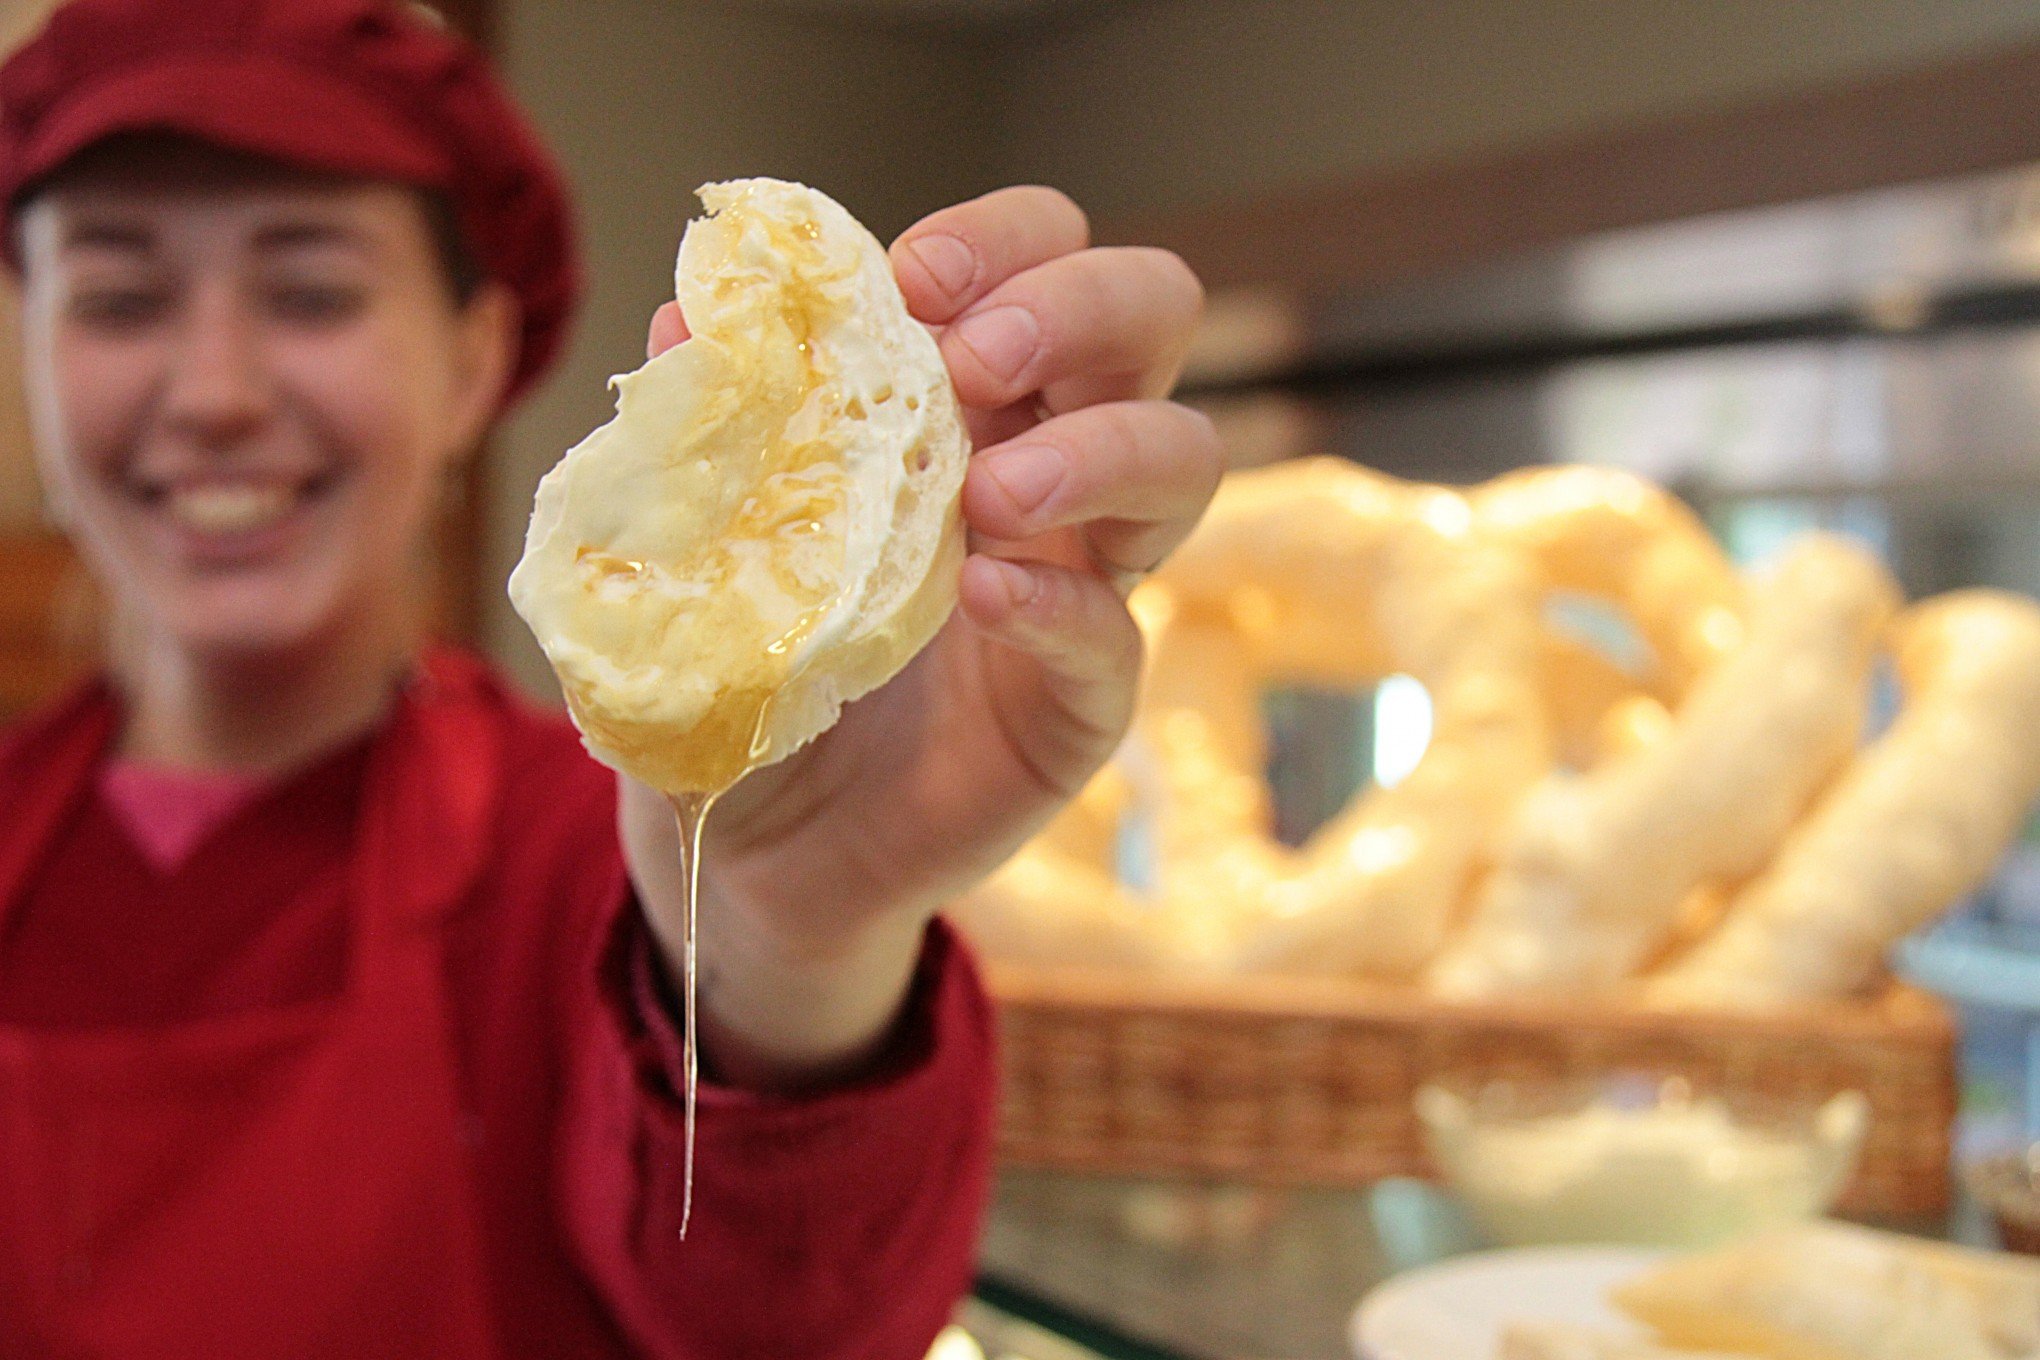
<point>246,391</point>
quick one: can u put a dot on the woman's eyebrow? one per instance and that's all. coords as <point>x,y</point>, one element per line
<point>109,235</point>
<point>295,235</point>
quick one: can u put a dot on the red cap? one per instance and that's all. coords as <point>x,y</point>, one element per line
<point>365,88</point>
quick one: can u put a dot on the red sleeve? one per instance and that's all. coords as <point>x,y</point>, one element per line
<point>839,1227</point>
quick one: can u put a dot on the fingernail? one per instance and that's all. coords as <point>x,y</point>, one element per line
<point>1028,474</point>
<point>1018,580</point>
<point>1003,339</point>
<point>950,262</point>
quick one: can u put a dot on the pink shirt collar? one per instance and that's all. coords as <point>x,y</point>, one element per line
<point>170,812</point>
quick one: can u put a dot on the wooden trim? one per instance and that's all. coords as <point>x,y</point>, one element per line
<point>458,585</point>
<point>46,634</point>
<point>1976,114</point>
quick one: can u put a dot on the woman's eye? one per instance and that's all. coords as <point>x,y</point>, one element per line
<point>316,303</point>
<point>119,308</point>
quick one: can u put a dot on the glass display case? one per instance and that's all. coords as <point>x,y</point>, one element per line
<point>1868,365</point>
<point>1126,1268</point>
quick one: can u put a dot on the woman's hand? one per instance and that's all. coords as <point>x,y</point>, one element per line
<point>821,872</point>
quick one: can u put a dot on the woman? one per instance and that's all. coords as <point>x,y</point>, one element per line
<point>335,1013</point>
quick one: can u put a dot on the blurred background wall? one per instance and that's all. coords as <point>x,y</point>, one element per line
<point>1139,106</point>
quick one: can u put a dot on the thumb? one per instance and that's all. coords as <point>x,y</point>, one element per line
<point>669,328</point>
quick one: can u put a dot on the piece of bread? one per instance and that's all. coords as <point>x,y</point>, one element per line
<point>1605,534</point>
<point>1919,820</point>
<point>1316,572</point>
<point>1593,870</point>
<point>769,527</point>
<point>1569,1341</point>
<point>1828,1291</point>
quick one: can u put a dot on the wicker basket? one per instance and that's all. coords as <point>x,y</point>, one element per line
<point>1310,1081</point>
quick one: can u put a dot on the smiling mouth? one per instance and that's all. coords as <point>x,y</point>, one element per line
<point>230,507</point>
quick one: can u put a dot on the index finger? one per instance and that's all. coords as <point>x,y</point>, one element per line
<point>950,259</point>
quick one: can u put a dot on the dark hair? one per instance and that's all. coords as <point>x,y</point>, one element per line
<point>456,260</point>
<point>457,264</point>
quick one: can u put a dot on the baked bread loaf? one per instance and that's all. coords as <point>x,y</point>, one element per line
<point>1644,774</point>
<point>1313,572</point>
<point>769,527</point>
<point>1917,822</point>
<point>1592,873</point>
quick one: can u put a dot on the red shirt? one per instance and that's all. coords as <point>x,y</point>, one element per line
<point>838,1226</point>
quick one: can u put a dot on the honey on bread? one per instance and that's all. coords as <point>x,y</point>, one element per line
<point>769,527</point>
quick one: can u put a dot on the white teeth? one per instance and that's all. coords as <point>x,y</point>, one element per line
<point>228,508</point>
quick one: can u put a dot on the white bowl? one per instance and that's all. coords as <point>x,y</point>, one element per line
<point>1638,1161</point>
